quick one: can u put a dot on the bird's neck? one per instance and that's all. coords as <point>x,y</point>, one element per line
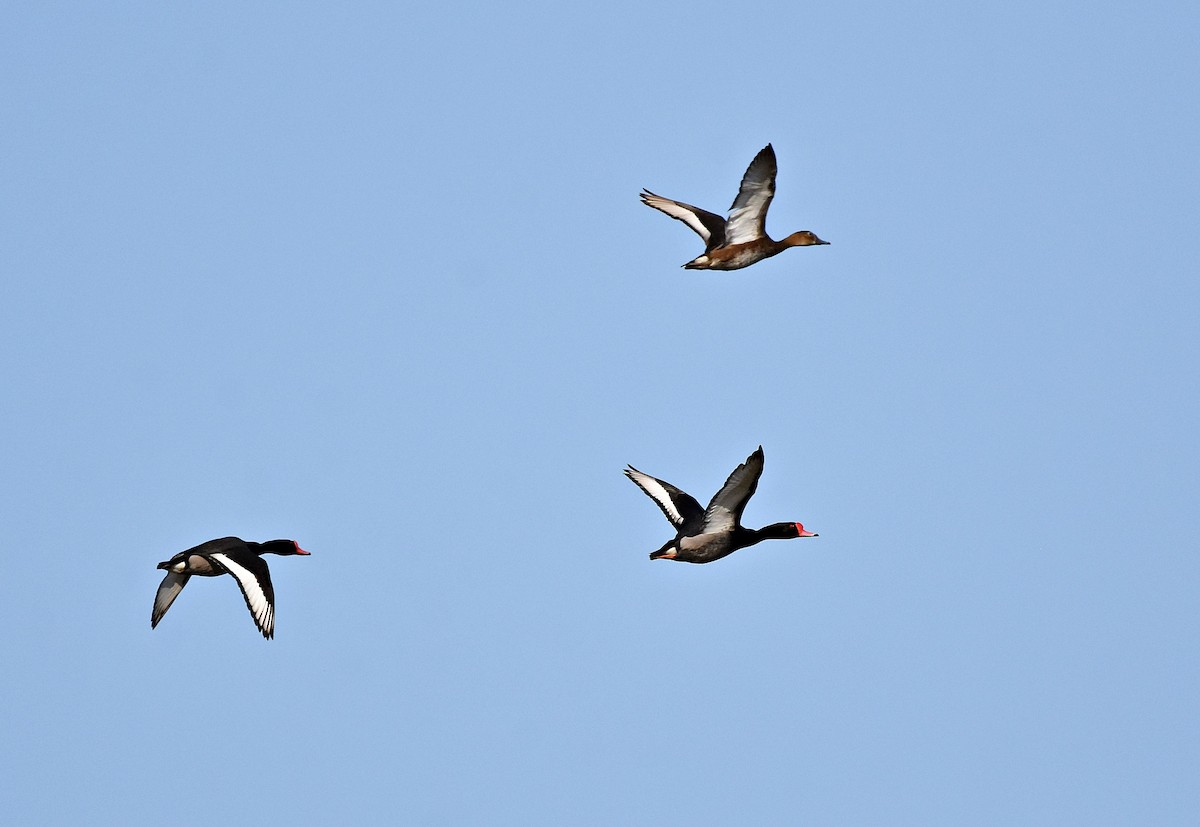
<point>273,547</point>
<point>775,531</point>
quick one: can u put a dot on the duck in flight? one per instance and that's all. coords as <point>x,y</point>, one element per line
<point>232,556</point>
<point>707,534</point>
<point>741,240</point>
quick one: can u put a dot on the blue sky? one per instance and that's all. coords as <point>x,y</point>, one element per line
<point>377,279</point>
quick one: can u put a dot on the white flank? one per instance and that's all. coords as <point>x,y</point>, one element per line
<point>260,608</point>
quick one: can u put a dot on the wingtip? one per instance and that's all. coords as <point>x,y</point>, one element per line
<point>767,154</point>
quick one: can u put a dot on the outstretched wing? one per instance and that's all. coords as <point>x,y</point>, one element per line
<point>709,226</point>
<point>254,579</point>
<point>168,590</point>
<point>679,507</point>
<point>748,215</point>
<point>724,513</point>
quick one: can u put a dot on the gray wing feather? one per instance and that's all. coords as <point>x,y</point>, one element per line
<point>748,215</point>
<point>724,513</point>
<point>168,590</point>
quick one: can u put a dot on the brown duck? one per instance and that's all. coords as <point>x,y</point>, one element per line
<point>740,240</point>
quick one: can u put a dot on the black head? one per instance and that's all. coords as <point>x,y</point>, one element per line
<point>280,547</point>
<point>786,531</point>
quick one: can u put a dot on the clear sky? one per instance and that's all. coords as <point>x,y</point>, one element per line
<point>377,279</point>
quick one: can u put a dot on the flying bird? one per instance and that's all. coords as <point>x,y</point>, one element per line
<point>741,240</point>
<point>233,556</point>
<point>707,534</point>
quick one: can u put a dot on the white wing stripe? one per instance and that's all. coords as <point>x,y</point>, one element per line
<point>676,211</point>
<point>256,599</point>
<point>660,495</point>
